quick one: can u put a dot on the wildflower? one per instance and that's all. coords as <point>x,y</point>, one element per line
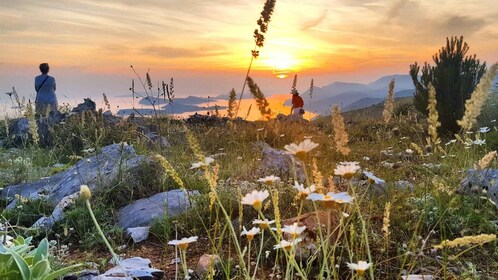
<point>206,162</point>
<point>479,142</point>
<point>359,267</point>
<point>85,193</point>
<point>484,129</point>
<point>433,118</point>
<point>409,151</point>
<point>340,135</point>
<point>478,98</point>
<point>301,150</point>
<point>330,200</point>
<point>485,160</point>
<point>255,198</point>
<point>466,240</point>
<point>286,245</point>
<point>294,230</point>
<point>302,191</point>
<point>450,142</point>
<point>372,179</point>
<point>389,103</point>
<point>386,221</point>
<point>183,243</point>
<point>269,180</point>
<point>250,233</point>
<point>346,169</point>
<point>263,224</point>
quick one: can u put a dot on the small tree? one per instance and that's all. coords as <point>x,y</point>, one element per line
<point>454,77</point>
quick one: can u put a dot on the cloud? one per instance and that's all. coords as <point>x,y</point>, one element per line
<point>395,10</point>
<point>314,22</point>
<point>461,25</point>
<point>173,52</point>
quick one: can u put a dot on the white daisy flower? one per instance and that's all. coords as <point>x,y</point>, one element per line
<point>250,233</point>
<point>294,230</point>
<point>346,169</point>
<point>372,179</point>
<point>184,242</point>
<point>302,191</point>
<point>206,162</point>
<point>359,267</point>
<point>300,150</point>
<point>255,198</point>
<point>331,199</point>
<point>269,180</point>
<point>263,224</point>
<point>484,129</point>
<point>286,245</point>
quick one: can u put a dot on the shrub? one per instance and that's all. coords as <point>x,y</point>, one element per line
<point>454,77</point>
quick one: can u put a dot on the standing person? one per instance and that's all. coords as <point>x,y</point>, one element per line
<point>297,108</point>
<point>46,100</point>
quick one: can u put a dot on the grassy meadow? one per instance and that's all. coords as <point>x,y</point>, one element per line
<point>389,210</point>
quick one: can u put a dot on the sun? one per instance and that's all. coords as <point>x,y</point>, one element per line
<point>282,63</point>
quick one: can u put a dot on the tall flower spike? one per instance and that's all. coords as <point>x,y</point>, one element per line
<point>433,118</point>
<point>474,104</point>
<point>389,103</point>
<point>341,137</point>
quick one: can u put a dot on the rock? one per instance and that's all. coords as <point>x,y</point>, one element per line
<point>144,211</point>
<point>45,125</point>
<point>404,185</point>
<point>94,171</point>
<point>206,262</point>
<point>138,234</point>
<point>154,139</point>
<point>417,277</point>
<point>279,163</point>
<point>19,132</point>
<point>136,268</point>
<point>58,213</point>
<point>312,221</point>
<point>87,105</point>
<point>481,181</point>
<point>83,275</point>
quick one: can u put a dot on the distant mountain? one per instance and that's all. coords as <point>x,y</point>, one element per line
<point>363,103</point>
<point>189,100</point>
<point>347,94</point>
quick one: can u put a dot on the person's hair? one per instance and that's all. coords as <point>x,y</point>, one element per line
<point>44,68</point>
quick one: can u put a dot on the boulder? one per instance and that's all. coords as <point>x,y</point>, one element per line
<point>206,262</point>
<point>87,105</point>
<point>136,268</point>
<point>280,163</point>
<point>144,211</point>
<point>19,132</point>
<point>481,181</point>
<point>96,171</point>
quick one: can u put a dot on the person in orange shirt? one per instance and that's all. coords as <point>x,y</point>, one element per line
<point>297,104</point>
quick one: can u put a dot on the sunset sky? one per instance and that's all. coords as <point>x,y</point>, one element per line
<point>206,45</point>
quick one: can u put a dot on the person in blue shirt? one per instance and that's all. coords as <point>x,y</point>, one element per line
<point>46,100</point>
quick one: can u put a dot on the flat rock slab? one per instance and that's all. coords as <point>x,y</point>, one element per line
<point>280,163</point>
<point>144,211</point>
<point>99,169</point>
<point>136,268</point>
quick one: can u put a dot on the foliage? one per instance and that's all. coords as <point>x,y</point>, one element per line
<point>232,104</point>
<point>21,261</point>
<point>454,76</point>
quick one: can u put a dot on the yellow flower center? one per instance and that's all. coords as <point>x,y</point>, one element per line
<point>348,175</point>
<point>301,155</point>
<point>258,204</point>
<point>264,226</point>
<point>250,237</point>
<point>183,246</point>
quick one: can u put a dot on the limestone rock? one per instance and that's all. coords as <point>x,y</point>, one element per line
<point>138,234</point>
<point>144,211</point>
<point>481,181</point>
<point>136,268</point>
<point>279,163</point>
<point>93,171</point>
<point>417,277</point>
